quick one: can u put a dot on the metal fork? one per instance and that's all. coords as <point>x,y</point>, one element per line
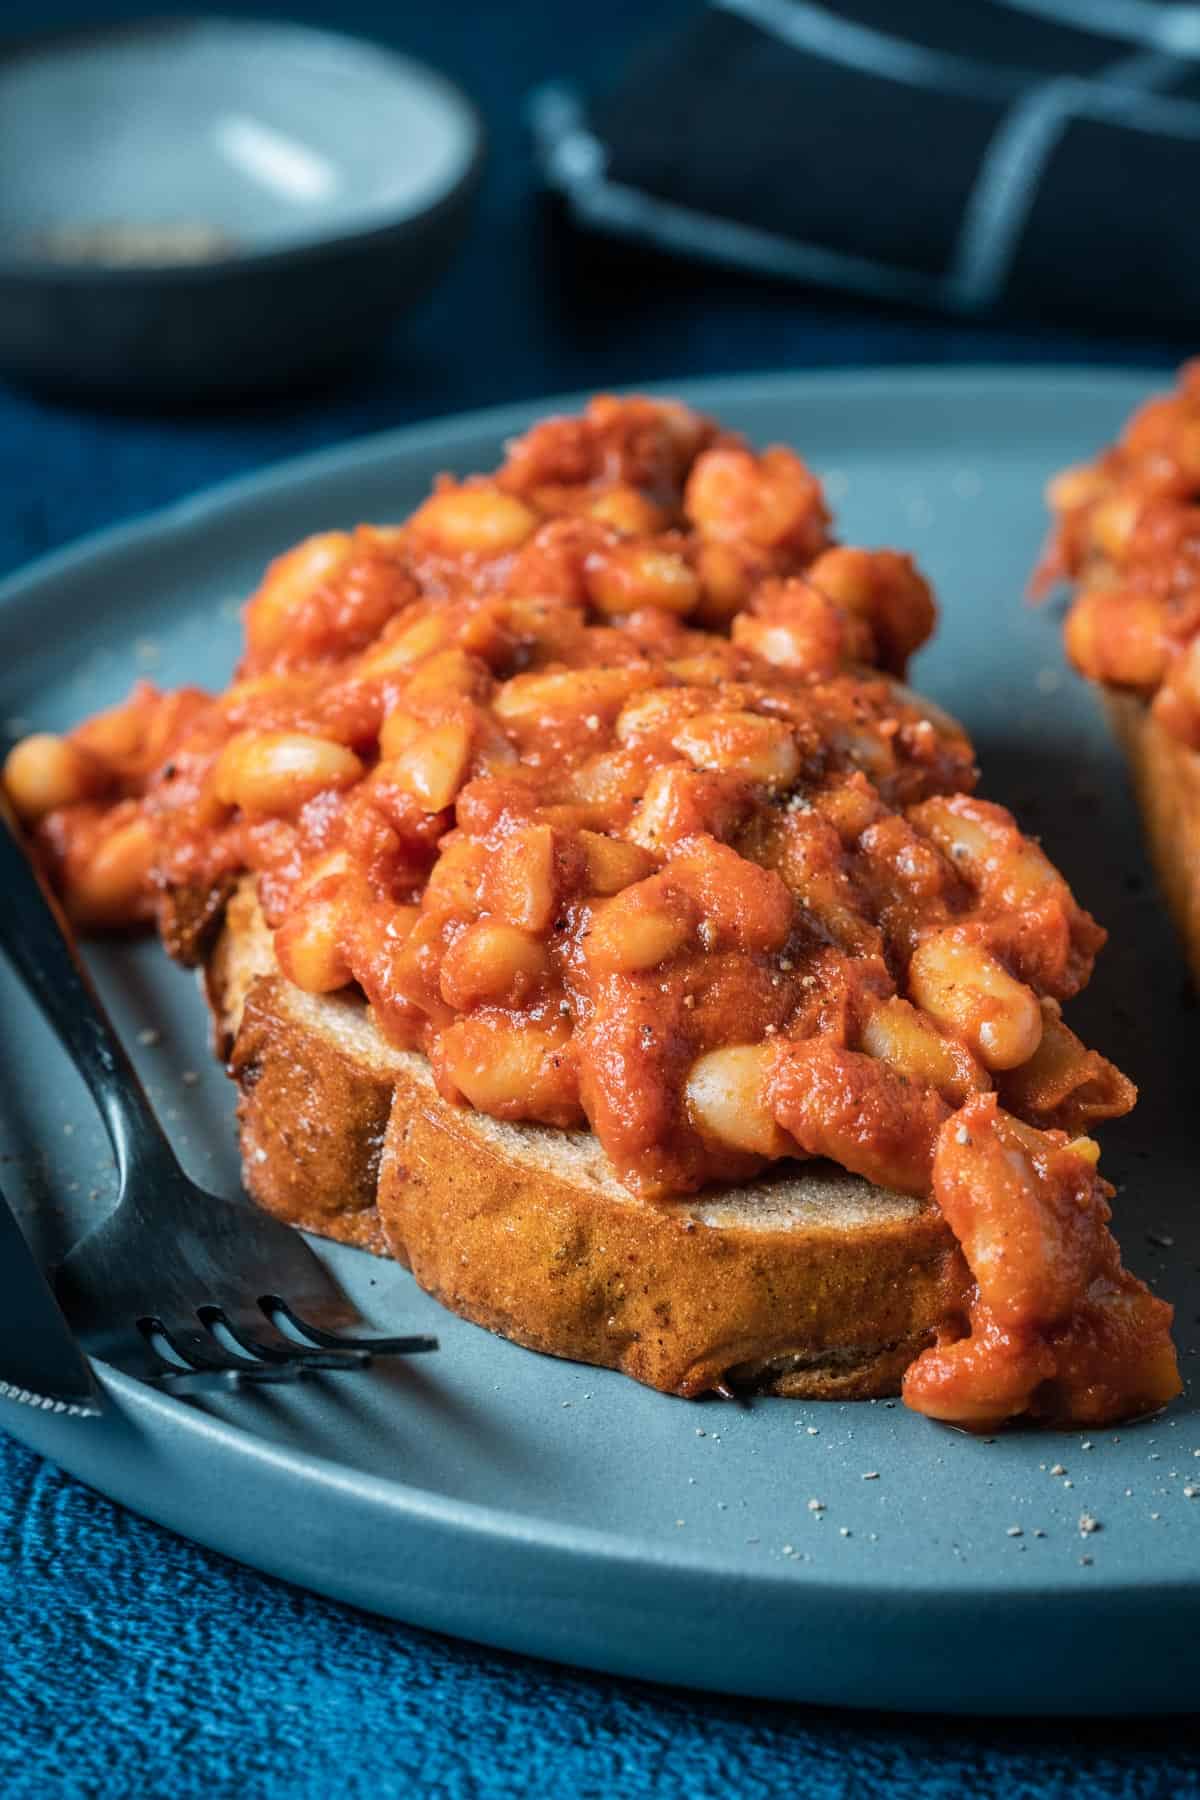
<point>184,1287</point>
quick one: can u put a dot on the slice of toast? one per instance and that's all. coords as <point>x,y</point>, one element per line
<point>1166,779</point>
<point>808,1282</point>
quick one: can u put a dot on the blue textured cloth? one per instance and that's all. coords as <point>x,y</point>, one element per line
<point>134,1663</point>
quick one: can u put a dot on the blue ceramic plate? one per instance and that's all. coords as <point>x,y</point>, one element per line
<point>562,1510</point>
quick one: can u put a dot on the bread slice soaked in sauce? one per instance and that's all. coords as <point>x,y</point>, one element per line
<point>807,1282</point>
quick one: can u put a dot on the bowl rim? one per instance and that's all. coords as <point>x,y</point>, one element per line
<point>40,271</point>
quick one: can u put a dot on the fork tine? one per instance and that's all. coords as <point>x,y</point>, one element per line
<point>264,1341</point>
<point>413,1345</point>
<point>199,1350</point>
<point>178,1377</point>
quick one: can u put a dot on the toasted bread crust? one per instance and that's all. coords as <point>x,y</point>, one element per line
<point>652,1288</point>
<point>1166,779</point>
<point>190,918</point>
<point>312,1121</point>
<point>805,1283</point>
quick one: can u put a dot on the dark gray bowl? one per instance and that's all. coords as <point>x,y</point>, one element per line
<point>192,208</point>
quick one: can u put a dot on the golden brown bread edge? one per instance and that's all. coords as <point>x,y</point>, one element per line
<point>1166,780</point>
<point>807,1283</point>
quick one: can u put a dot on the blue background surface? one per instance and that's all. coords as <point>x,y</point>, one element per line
<point>134,1662</point>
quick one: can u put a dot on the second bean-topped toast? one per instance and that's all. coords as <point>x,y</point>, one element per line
<point>1127,536</point>
<point>594,921</point>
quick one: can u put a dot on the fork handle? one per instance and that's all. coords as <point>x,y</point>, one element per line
<point>37,940</point>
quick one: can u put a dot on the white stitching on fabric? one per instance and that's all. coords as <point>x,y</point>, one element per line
<point>573,160</point>
<point>1007,182</point>
<point>812,27</point>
